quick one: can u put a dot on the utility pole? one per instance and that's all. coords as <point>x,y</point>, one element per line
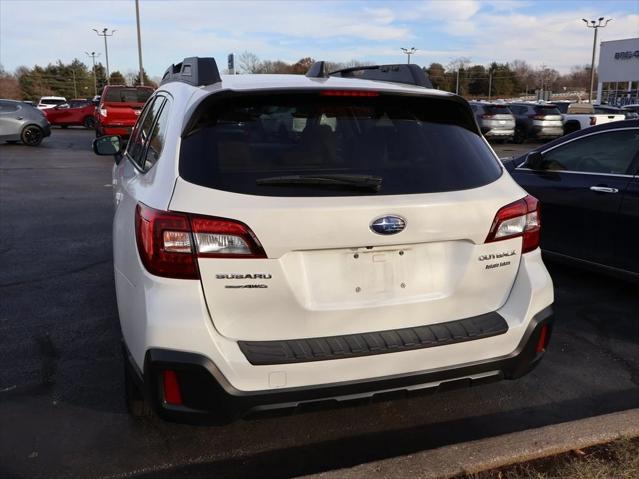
<point>106,49</point>
<point>596,25</point>
<point>490,82</point>
<point>75,88</point>
<point>137,20</point>
<point>457,85</point>
<point>409,51</point>
<point>95,80</point>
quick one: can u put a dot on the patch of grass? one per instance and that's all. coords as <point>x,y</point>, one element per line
<point>616,460</point>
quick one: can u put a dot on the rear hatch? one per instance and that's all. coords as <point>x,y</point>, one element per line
<point>121,106</point>
<point>547,116</point>
<point>497,117</point>
<point>317,178</point>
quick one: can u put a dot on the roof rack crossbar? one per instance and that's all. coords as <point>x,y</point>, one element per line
<point>195,71</point>
<point>410,74</point>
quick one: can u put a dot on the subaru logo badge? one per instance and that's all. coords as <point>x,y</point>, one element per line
<point>388,225</point>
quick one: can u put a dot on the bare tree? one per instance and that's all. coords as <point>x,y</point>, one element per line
<point>248,62</point>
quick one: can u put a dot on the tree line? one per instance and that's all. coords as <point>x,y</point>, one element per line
<point>72,80</point>
<point>505,79</point>
<point>76,80</point>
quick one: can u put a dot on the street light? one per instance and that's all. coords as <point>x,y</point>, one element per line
<point>106,50</point>
<point>95,81</point>
<point>409,52</point>
<point>596,25</point>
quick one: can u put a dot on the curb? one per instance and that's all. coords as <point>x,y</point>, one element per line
<point>485,454</point>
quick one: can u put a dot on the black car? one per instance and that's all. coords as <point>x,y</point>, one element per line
<point>535,120</point>
<point>588,186</point>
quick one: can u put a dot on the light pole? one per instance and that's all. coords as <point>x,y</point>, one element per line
<point>596,25</point>
<point>106,50</point>
<point>95,81</point>
<point>137,20</point>
<point>409,51</point>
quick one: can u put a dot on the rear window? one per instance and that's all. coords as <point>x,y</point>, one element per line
<point>547,110</point>
<point>414,145</point>
<point>128,95</point>
<point>562,107</point>
<point>50,101</point>
<point>497,110</point>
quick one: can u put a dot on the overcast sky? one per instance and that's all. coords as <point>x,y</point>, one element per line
<point>549,32</point>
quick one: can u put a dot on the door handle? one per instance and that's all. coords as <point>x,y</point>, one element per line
<point>20,118</point>
<point>604,189</point>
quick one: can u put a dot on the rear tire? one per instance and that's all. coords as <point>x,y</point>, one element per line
<point>89,122</point>
<point>520,136</point>
<point>32,135</point>
<point>571,127</point>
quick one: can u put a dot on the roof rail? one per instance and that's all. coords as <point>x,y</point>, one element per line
<point>410,74</point>
<point>195,71</point>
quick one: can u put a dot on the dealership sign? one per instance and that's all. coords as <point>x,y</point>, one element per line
<point>626,55</point>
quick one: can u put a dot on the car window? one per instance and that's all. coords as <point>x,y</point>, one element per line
<point>157,138</point>
<point>138,140</point>
<point>416,145</point>
<point>8,106</point>
<point>128,95</point>
<point>610,152</point>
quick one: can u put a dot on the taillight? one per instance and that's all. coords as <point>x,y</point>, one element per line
<point>537,117</point>
<point>103,112</point>
<point>520,218</point>
<point>169,243</point>
<point>593,120</point>
<point>360,93</point>
<point>488,117</point>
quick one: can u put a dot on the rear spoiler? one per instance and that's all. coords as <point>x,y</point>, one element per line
<point>409,74</point>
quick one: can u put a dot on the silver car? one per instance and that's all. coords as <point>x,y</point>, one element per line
<point>20,121</point>
<point>495,120</point>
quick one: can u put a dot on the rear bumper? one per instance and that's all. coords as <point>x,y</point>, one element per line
<point>209,398</point>
<point>117,130</point>
<point>548,131</point>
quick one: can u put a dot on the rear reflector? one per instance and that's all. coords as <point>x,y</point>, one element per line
<point>171,388</point>
<point>542,342</point>
<point>520,218</point>
<point>169,243</point>
<point>360,93</point>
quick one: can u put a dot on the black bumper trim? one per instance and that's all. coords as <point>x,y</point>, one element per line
<point>376,342</point>
<point>209,398</point>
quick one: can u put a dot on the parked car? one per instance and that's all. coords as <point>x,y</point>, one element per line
<point>50,101</point>
<point>583,115</point>
<point>119,108</point>
<point>633,106</point>
<point>368,242</point>
<point>628,113</point>
<point>495,120</point>
<point>22,122</point>
<point>588,186</point>
<point>538,121</point>
<point>74,113</point>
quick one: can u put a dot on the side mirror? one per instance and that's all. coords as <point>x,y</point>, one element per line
<point>107,145</point>
<point>535,160</point>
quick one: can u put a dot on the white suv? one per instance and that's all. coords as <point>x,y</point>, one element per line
<point>282,239</point>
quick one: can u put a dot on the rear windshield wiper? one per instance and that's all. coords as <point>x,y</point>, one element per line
<point>364,182</point>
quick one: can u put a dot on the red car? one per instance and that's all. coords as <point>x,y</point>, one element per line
<point>73,113</point>
<point>119,109</point>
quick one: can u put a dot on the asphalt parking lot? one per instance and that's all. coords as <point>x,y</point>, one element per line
<point>62,412</point>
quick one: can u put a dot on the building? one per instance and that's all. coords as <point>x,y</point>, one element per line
<point>618,72</point>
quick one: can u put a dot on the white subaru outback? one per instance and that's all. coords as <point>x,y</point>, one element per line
<point>284,239</point>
